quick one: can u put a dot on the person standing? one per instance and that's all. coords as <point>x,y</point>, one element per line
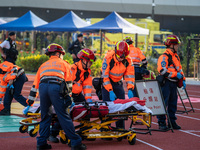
<point>169,66</point>
<point>47,40</point>
<point>9,54</point>
<point>82,82</point>
<point>139,60</point>
<point>76,47</point>
<point>88,41</point>
<point>116,65</point>
<point>50,78</point>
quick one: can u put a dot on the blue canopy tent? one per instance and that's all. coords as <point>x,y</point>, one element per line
<point>115,23</point>
<point>27,22</point>
<point>70,23</point>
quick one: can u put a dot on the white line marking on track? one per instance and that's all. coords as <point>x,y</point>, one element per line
<point>189,133</point>
<point>188,107</point>
<point>185,131</point>
<point>192,130</point>
<point>188,117</point>
<point>149,144</point>
<point>193,95</point>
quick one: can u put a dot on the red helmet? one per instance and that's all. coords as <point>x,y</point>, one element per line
<point>87,55</point>
<point>128,39</point>
<point>121,49</point>
<point>172,40</point>
<point>54,48</point>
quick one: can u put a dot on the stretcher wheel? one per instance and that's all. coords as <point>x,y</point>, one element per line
<point>23,129</point>
<point>132,142</point>
<point>32,134</point>
<point>64,141</point>
<point>120,139</point>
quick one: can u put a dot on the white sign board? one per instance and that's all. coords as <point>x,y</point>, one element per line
<point>182,93</point>
<point>150,91</point>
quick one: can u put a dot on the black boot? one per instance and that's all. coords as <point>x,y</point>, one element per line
<point>53,139</point>
<point>174,126</point>
<point>5,112</point>
<point>46,146</point>
<point>79,147</point>
<point>162,126</point>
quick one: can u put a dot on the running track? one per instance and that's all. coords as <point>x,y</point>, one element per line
<point>188,138</point>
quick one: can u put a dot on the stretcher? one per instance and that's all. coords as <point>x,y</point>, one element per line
<point>90,126</point>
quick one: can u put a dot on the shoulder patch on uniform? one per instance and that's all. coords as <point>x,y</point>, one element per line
<point>104,66</point>
<point>163,63</point>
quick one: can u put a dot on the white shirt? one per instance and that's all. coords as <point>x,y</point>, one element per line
<point>6,44</point>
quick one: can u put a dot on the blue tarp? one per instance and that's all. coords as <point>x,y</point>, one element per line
<point>27,22</point>
<point>115,23</point>
<point>70,22</point>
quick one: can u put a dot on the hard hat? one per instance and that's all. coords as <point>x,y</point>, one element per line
<point>54,48</point>
<point>87,55</point>
<point>122,49</point>
<point>128,39</point>
<point>172,40</point>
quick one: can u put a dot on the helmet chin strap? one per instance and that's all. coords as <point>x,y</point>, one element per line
<point>85,65</point>
<point>173,50</point>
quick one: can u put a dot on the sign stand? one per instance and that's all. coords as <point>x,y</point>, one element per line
<point>183,96</point>
<point>150,91</point>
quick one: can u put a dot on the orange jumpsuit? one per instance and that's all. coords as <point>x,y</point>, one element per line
<point>114,70</point>
<point>82,80</point>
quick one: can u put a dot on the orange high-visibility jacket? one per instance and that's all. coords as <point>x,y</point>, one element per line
<point>115,70</point>
<point>137,56</point>
<point>166,67</point>
<point>54,68</point>
<point>8,71</point>
<point>82,80</point>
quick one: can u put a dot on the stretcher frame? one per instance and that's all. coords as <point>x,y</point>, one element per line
<point>105,130</point>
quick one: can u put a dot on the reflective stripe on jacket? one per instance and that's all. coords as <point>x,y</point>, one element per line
<point>8,71</point>
<point>117,71</point>
<point>166,67</point>
<point>82,80</point>
<point>55,68</point>
<point>137,56</point>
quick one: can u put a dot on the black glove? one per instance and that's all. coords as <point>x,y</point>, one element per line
<point>29,102</point>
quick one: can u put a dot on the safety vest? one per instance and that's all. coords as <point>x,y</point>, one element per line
<point>137,56</point>
<point>169,65</point>
<point>55,68</point>
<point>113,70</point>
<point>82,80</point>
<point>8,71</point>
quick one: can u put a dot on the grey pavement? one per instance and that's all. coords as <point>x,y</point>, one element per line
<point>192,81</point>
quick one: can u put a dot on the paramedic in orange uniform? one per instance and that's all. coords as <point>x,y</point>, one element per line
<point>169,66</point>
<point>49,79</point>
<point>116,65</point>
<point>139,60</point>
<point>81,76</point>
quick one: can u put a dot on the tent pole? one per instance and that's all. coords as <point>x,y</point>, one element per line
<point>101,40</point>
<point>23,33</point>
<point>136,40</point>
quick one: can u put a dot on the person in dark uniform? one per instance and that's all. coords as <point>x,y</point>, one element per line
<point>53,82</point>
<point>76,47</point>
<point>9,53</point>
